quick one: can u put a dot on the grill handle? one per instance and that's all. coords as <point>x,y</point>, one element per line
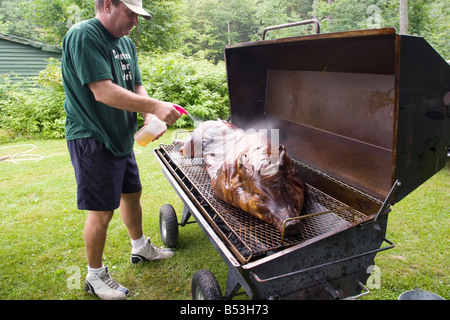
<point>335,295</point>
<point>387,201</point>
<point>294,24</point>
<point>283,229</point>
<point>289,274</point>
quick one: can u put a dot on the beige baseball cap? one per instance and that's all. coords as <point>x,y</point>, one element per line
<point>136,7</point>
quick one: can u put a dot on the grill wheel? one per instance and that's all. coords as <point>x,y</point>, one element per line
<point>168,225</point>
<point>205,286</point>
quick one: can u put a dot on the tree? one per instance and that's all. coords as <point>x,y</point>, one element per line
<point>404,16</point>
<point>163,32</point>
<point>15,19</point>
<point>48,21</point>
<point>205,27</point>
<point>44,21</point>
<point>438,26</point>
<point>272,13</point>
<point>346,15</point>
<point>57,16</point>
<point>213,24</point>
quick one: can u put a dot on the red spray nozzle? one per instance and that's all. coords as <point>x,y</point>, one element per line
<point>180,109</point>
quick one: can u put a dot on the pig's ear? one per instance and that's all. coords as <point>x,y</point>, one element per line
<point>284,163</point>
<point>241,159</point>
<point>242,169</point>
<point>284,158</point>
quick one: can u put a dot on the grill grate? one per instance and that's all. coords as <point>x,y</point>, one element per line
<point>250,237</point>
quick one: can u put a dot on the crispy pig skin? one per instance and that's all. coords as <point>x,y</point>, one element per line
<point>248,172</point>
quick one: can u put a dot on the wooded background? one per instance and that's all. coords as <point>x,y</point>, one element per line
<point>204,27</point>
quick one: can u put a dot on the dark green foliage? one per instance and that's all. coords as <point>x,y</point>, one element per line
<point>193,83</point>
<point>33,109</point>
<point>37,109</point>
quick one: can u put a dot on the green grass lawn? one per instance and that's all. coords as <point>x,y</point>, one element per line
<point>43,256</point>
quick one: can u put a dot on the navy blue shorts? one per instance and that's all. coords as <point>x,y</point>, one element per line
<point>101,176</point>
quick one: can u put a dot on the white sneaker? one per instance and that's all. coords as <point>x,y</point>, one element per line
<point>104,286</point>
<point>150,252</point>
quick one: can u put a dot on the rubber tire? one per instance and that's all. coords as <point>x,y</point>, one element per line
<point>205,286</point>
<point>168,226</point>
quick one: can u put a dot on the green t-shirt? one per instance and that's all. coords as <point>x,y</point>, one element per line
<point>91,53</point>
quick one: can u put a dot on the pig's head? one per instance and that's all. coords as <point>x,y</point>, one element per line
<point>272,190</point>
<point>206,133</point>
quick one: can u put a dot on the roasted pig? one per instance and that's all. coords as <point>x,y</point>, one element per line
<point>248,172</point>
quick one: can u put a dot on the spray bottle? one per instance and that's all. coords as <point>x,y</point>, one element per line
<point>154,129</point>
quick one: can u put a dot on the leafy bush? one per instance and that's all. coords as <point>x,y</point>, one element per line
<point>33,109</point>
<point>195,84</point>
<point>36,109</point>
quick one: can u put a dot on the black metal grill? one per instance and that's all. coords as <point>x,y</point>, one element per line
<point>351,109</point>
<point>249,237</point>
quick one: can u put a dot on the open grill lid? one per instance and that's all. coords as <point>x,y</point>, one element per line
<point>362,107</point>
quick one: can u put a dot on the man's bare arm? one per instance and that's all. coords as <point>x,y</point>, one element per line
<point>107,92</point>
<point>141,90</point>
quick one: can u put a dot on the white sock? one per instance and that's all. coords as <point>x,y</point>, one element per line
<point>139,243</point>
<point>96,270</point>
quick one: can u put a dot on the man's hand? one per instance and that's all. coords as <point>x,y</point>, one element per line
<point>107,92</point>
<point>166,112</point>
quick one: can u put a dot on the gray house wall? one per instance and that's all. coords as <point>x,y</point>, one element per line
<point>24,57</point>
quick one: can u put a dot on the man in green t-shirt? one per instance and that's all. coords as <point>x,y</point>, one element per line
<point>104,92</point>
